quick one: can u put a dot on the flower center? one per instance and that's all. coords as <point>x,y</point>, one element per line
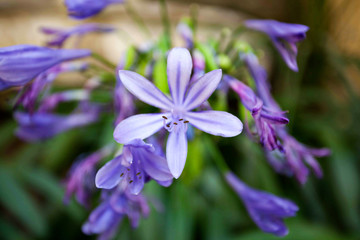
<point>176,123</point>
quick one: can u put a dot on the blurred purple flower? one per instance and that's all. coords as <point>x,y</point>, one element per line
<point>81,9</point>
<point>61,35</point>
<point>30,95</point>
<point>21,63</point>
<point>177,113</point>
<point>132,168</point>
<point>105,219</point>
<point>283,35</point>
<point>199,66</point>
<point>265,119</point>
<point>266,210</point>
<point>80,180</point>
<point>186,33</point>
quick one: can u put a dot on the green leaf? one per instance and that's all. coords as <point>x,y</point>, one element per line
<point>159,75</point>
<point>210,61</point>
<point>17,201</point>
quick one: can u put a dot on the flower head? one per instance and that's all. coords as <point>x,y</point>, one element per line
<point>283,35</point>
<point>133,167</point>
<point>177,112</point>
<point>21,63</point>
<point>267,210</point>
<point>81,9</point>
<point>60,35</point>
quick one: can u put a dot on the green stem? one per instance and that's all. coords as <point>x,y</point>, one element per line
<point>103,60</point>
<point>216,155</point>
<point>137,19</point>
<point>234,35</point>
<point>166,22</point>
<point>194,13</point>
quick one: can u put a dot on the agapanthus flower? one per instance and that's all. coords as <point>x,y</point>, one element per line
<point>61,35</point>
<point>21,63</point>
<point>131,169</point>
<point>177,112</point>
<point>265,119</point>
<point>105,219</point>
<point>289,159</point>
<point>283,35</point>
<point>45,124</point>
<point>28,97</point>
<point>81,9</point>
<point>265,209</point>
<point>80,180</point>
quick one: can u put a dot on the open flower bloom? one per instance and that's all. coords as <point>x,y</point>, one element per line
<point>21,63</point>
<point>177,112</point>
<point>265,119</point>
<point>266,210</point>
<point>132,168</point>
<point>81,9</point>
<point>283,35</point>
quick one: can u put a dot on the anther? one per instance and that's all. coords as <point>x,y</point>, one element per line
<point>175,123</point>
<point>164,117</point>
<point>181,119</point>
<point>138,173</point>
<point>186,121</point>
<point>122,174</point>
<point>128,169</point>
<point>131,181</point>
<point>168,125</point>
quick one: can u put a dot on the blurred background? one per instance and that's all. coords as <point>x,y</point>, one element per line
<point>324,110</point>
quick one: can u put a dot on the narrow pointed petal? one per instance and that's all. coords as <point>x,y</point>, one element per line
<point>110,174</point>
<point>156,167</point>
<point>144,89</point>
<point>137,177</point>
<point>216,123</point>
<point>138,126</point>
<point>179,66</point>
<point>176,152</point>
<point>202,89</point>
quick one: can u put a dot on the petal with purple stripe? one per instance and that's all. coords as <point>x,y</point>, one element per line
<point>110,174</point>
<point>202,89</point>
<point>179,66</point>
<point>138,126</point>
<point>216,123</point>
<point>176,152</point>
<point>144,89</point>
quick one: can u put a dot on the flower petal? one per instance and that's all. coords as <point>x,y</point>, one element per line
<point>202,89</point>
<point>136,182</point>
<point>138,126</point>
<point>144,89</point>
<point>156,167</point>
<point>217,123</point>
<point>176,152</point>
<point>110,174</point>
<point>179,66</point>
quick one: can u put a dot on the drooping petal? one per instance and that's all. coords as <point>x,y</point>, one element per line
<point>138,126</point>
<point>156,167</point>
<point>202,89</point>
<point>144,89</point>
<point>217,123</point>
<point>179,66</point>
<point>110,174</point>
<point>176,152</point>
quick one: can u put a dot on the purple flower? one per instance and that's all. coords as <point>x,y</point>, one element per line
<point>266,210</point>
<point>186,33</point>
<point>105,219</point>
<point>81,9</point>
<point>178,112</point>
<point>265,119</point>
<point>132,168</point>
<point>61,35</point>
<point>283,35</point>
<point>21,63</point>
<point>30,95</point>
<point>80,180</point>
<point>199,66</point>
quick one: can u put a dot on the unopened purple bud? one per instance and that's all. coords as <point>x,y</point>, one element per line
<point>266,210</point>
<point>21,63</point>
<point>81,9</point>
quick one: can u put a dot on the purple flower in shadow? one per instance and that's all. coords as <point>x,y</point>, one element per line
<point>265,119</point>
<point>61,35</point>
<point>21,63</point>
<point>283,35</point>
<point>266,210</point>
<point>105,219</point>
<point>81,9</point>
<point>133,167</point>
<point>178,112</point>
<point>80,180</point>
